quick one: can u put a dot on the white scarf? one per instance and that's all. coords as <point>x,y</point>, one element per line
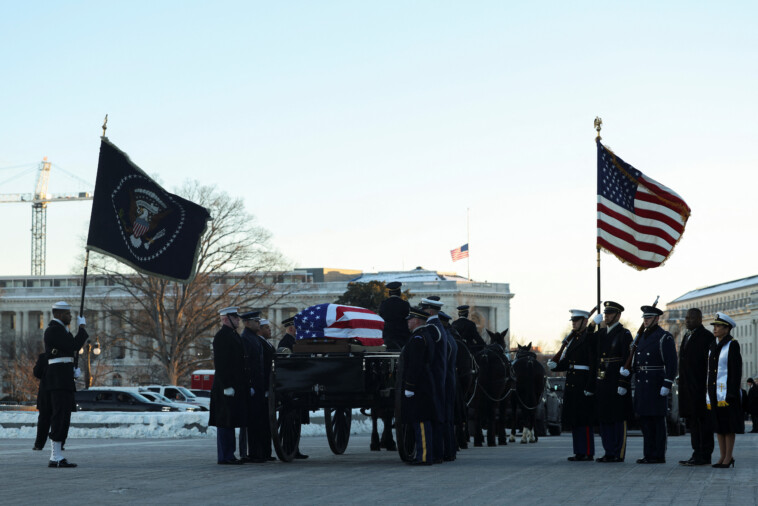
<point>722,372</point>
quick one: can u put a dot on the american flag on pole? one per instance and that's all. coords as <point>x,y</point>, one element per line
<point>639,220</point>
<point>459,253</point>
<point>340,322</point>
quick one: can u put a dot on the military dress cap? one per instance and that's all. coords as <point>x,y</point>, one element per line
<point>431,303</point>
<point>394,286</point>
<point>251,315</point>
<point>723,319</point>
<point>229,311</point>
<point>288,322</point>
<point>463,309</point>
<point>579,313</point>
<point>265,322</point>
<point>62,306</point>
<point>648,311</point>
<point>417,312</point>
<point>612,307</point>
<point>444,316</point>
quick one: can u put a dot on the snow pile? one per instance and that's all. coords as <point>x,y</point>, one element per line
<point>114,424</point>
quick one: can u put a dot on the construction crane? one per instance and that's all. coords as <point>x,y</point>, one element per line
<point>39,200</point>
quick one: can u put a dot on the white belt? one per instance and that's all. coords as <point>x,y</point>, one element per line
<point>62,360</point>
<point>580,367</point>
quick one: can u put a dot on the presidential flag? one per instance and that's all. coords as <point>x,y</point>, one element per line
<point>459,253</point>
<point>340,322</point>
<point>137,222</point>
<point>639,220</point>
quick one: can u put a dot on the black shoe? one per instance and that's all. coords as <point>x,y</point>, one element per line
<point>271,459</point>
<point>651,461</point>
<point>580,458</point>
<point>301,456</point>
<point>419,463</point>
<point>688,463</point>
<point>61,463</point>
<point>253,460</point>
<point>36,448</point>
<point>231,462</point>
<point>604,458</point>
<point>615,459</point>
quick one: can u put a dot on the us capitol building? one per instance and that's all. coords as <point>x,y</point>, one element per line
<point>25,305</point>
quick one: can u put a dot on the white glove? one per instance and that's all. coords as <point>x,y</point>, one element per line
<point>551,365</point>
<point>588,394</point>
<point>77,372</point>
<point>622,391</point>
<point>266,394</point>
<point>624,372</point>
<point>597,319</point>
<point>408,393</point>
<point>252,391</point>
<point>80,320</point>
<point>229,392</point>
<point>665,391</point>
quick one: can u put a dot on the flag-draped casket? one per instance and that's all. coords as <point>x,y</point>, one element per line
<point>337,321</point>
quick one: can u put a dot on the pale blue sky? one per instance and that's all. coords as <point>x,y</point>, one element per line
<point>360,132</point>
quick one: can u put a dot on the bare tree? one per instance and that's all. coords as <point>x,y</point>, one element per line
<point>172,323</point>
<point>18,358</point>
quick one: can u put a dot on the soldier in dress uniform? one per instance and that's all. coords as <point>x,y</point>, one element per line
<point>578,357</point>
<point>612,395</point>
<point>288,341</point>
<point>268,359</point>
<point>43,403</point>
<point>231,385</point>
<point>693,375</point>
<point>433,306</point>
<point>394,310</point>
<point>419,386</point>
<point>467,329</point>
<point>248,441</point>
<point>451,385</point>
<point>654,370</point>
<point>61,348</point>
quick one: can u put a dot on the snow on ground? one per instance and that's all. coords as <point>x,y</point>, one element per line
<point>114,424</point>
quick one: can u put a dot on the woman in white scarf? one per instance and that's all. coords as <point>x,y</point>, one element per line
<point>724,378</point>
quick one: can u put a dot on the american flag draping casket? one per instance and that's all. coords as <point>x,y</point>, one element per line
<point>340,322</point>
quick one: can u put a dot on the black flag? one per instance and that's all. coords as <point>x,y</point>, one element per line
<point>139,223</point>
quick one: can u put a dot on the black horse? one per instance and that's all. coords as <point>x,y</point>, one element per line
<point>529,382</point>
<point>493,385</point>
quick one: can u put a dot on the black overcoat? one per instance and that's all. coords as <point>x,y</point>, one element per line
<point>467,329</point>
<point>580,363</point>
<point>654,367</point>
<point>612,353</point>
<point>229,361</point>
<point>59,343</point>
<point>693,371</point>
<point>394,310</point>
<point>418,356</point>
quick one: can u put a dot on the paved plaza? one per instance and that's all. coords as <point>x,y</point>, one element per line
<point>183,471</point>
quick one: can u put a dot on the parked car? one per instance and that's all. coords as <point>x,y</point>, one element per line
<point>557,385</point>
<point>108,399</point>
<point>201,393</point>
<point>180,394</point>
<point>161,399</point>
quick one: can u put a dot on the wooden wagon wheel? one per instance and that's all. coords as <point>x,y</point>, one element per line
<point>406,438</point>
<point>284,421</point>
<point>338,422</point>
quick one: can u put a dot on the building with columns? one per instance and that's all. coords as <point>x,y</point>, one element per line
<point>738,299</point>
<point>26,301</point>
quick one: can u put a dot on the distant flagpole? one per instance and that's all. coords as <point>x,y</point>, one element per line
<point>598,126</point>
<point>468,243</point>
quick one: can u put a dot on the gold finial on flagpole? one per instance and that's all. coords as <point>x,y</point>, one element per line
<point>105,124</point>
<point>598,126</point>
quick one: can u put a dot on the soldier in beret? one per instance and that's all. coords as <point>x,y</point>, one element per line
<point>612,395</point>
<point>654,370</point>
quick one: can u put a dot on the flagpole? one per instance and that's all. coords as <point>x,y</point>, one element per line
<point>468,243</point>
<point>598,126</point>
<point>86,255</point>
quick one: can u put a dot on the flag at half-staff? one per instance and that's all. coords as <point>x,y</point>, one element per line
<point>639,220</point>
<point>139,223</point>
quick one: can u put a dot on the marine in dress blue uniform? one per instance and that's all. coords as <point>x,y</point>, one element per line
<point>577,357</point>
<point>432,305</point>
<point>419,393</point>
<point>612,394</point>
<point>654,368</point>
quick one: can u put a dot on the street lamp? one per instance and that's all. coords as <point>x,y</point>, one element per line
<point>90,351</point>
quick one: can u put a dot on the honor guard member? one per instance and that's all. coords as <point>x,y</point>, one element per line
<point>230,385</point>
<point>433,306</point>
<point>419,407</point>
<point>250,433</point>
<point>578,357</point>
<point>451,385</point>
<point>61,348</point>
<point>288,341</point>
<point>268,360</point>
<point>43,403</point>
<point>467,329</point>
<point>654,370</point>
<point>613,398</point>
<point>693,375</point>
<point>394,310</point>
